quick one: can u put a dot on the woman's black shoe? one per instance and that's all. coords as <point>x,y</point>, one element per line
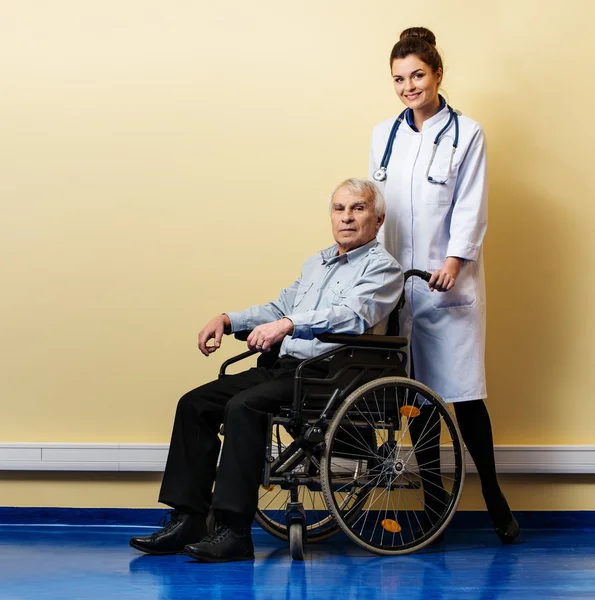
<point>509,533</point>
<point>505,525</point>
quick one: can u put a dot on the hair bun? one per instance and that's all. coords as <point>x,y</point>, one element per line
<point>419,32</point>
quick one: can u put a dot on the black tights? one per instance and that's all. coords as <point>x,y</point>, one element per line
<point>476,429</point>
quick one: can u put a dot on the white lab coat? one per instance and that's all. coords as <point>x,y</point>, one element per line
<point>425,223</point>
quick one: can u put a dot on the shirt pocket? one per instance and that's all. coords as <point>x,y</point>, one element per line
<point>301,293</point>
<point>339,291</point>
<point>463,294</point>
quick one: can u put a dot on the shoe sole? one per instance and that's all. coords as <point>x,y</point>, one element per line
<point>155,553</point>
<point>214,559</point>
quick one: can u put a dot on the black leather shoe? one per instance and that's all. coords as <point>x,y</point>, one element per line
<point>223,545</point>
<point>509,533</point>
<point>181,530</point>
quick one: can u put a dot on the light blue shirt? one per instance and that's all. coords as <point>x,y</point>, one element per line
<point>348,293</point>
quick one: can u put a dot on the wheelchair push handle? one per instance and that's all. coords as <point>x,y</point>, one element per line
<point>417,273</point>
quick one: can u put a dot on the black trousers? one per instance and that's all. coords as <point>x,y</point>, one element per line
<point>241,402</point>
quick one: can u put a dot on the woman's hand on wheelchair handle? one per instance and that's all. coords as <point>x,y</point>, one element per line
<point>213,330</point>
<point>444,279</point>
<point>264,336</point>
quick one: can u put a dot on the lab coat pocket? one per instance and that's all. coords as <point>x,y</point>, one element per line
<point>438,193</point>
<point>462,295</point>
<point>443,174</point>
<point>302,290</point>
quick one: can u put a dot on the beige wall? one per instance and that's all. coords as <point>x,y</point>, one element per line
<point>162,162</point>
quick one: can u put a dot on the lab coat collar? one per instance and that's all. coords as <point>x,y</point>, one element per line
<point>429,123</point>
<point>353,256</point>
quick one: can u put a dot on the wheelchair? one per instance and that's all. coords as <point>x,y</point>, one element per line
<point>365,450</point>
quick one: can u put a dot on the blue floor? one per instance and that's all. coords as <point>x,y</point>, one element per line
<point>94,562</point>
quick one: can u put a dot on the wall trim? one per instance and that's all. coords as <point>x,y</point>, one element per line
<point>56,456</point>
<point>151,517</point>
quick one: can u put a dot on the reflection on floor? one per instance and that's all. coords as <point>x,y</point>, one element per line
<point>64,562</point>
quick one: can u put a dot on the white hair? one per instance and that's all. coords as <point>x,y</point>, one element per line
<point>365,189</point>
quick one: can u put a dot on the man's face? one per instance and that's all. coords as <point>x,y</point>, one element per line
<point>353,220</point>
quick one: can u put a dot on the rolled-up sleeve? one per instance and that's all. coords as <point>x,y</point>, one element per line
<point>367,303</point>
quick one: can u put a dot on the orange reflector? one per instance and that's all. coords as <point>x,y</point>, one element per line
<point>268,489</point>
<point>410,411</point>
<point>391,526</point>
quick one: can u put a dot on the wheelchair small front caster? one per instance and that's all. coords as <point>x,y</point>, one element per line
<point>295,517</point>
<point>296,541</point>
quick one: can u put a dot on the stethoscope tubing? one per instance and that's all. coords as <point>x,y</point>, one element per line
<point>380,173</point>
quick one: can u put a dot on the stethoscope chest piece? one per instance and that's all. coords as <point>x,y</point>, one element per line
<point>379,174</point>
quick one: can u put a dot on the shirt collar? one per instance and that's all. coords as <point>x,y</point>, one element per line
<point>428,122</point>
<point>331,254</point>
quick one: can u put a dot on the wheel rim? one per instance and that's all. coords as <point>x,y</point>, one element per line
<point>414,467</point>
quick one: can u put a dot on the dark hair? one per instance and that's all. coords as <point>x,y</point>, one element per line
<point>418,41</point>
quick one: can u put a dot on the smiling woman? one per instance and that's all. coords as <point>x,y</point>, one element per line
<point>434,178</point>
<point>416,67</point>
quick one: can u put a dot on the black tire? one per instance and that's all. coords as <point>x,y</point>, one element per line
<point>296,541</point>
<point>388,408</point>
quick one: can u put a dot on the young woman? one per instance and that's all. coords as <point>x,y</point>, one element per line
<point>431,164</point>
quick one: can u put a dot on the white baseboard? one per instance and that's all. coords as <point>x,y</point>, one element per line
<point>151,457</point>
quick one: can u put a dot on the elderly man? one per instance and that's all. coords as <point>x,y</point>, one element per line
<point>350,287</point>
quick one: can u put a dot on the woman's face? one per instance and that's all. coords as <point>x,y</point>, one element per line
<point>415,82</point>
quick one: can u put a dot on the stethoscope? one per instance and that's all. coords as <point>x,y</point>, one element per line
<point>380,173</point>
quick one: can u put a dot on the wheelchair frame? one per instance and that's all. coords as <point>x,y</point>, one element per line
<point>316,417</point>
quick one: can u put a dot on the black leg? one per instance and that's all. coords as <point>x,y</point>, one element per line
<point>194,448</point>
<point>476,428</point>
<point>425,435</point>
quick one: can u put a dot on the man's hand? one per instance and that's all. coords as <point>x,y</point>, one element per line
<point>444,279</point>
<point>214,329</point>
<point>264,336</point>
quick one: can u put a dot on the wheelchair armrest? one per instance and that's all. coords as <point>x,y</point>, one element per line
<point>365,340</point>
<point>266,359</point>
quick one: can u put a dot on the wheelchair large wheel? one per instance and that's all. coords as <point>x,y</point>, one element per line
<point>413,477</point>
<point>272,501</point>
